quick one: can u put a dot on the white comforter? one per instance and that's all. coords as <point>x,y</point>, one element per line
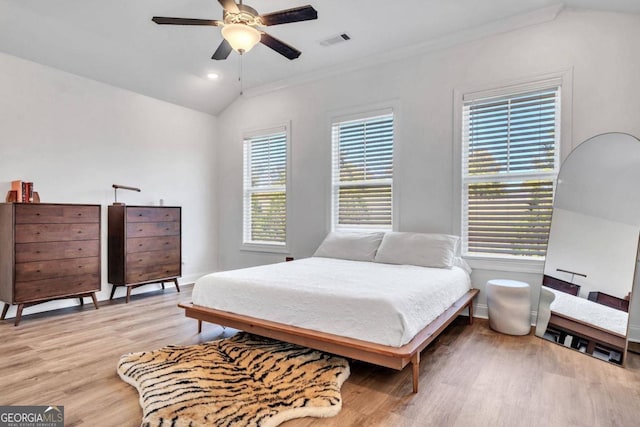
<point>586,311</point>
<point>380,303</point>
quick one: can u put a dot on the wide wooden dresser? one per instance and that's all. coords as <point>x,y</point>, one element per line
<point>48,251</point>
<point>144,246</point>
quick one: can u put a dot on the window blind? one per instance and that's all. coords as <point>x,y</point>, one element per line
<point>510,164</point>
<point>363,173</point>
<point>265,198</point>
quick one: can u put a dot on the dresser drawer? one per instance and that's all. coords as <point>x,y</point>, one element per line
<point>149,229</point>
<point>155,272</point>
<point>53,288</point>
<point>40,270</point>
<point>155,258</point>
<point>57,214</point>
<point>151,214</point>
<point>28,233</point>
<point>26,252</point>
<point>147,244</point>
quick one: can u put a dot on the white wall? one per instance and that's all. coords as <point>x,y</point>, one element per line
<point>604,251</point>
<point>600,48</point>
<point>74,137</point>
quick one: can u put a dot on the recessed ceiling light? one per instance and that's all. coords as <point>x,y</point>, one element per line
<point>213,76</point>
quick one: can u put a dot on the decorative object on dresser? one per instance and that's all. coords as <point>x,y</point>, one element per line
<point>144,246</point>
<point>124,187</point>
<point>22,192</point>
<point>47,252</point>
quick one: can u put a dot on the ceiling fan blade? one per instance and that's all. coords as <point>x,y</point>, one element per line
<point>163,20</point>
<point>229,6</point>
<point>223,51</point>
<point>279,46</point>
<point>297,14</point>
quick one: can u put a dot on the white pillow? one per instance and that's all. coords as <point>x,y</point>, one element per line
<point>352,246</point>
<point>422,249</point>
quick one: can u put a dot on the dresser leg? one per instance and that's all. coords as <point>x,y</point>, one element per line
<point>128,293</point>
<point>162,283</point>
<point>177,286</point>
<point>4,311</point>
<point>113,291</point>
<point>81,301</point>
<point>94,299</point>
<point>19,314</point>
<point>199,326</point>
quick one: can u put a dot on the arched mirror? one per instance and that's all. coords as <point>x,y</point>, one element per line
<point>593,248</point>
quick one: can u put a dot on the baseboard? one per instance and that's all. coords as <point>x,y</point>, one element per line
<point>634,347</point>
<point>481,311</point>
<point>634,333</point>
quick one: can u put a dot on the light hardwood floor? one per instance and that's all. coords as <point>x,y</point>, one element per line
<point>471,376</point>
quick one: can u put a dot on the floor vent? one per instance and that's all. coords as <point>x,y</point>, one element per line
<point>339,38</point>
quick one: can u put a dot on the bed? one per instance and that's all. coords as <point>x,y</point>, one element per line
<point>331,304</point>
<point>598,324</point>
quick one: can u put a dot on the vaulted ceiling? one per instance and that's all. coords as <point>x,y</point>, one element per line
<point>115,42</point>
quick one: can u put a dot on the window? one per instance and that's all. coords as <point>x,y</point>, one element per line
<point>363,172</point>
<point>510,162</point>
<point>265,188</point>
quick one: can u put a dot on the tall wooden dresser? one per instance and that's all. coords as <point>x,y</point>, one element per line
<point>48,251</point>
<point>144,246</point>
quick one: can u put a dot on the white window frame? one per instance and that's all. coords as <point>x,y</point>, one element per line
<point>247,243</point>
<point>353,115</point>
<point>563,79</point>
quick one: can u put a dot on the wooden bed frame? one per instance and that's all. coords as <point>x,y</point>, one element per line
<point>592,333</point>
<point>378,354</point>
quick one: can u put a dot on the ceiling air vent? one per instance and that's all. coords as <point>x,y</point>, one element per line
<point>339,38</point>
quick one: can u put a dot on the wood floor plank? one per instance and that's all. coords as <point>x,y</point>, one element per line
<point>470,375</point>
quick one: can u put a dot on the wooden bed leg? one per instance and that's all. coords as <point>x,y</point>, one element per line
<point>128,294</point>
<point>113,291</point>
<point>4,311</point>
<point>415,365</point>
<point>199,326</point>
<point>175,281</point>
<point>471,312</point>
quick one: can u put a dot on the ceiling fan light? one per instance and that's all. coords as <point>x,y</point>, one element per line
<point>241,37</point>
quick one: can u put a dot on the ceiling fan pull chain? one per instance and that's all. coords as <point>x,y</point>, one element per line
<point>240,75</point>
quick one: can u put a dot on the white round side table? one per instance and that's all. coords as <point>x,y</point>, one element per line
<point>509,304</point>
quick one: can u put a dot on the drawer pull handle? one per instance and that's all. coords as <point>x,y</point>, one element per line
<point>37,252</point>
<point>38,271</point>
<point>139,245</point>
<point>37,213</point>
<point>37,232</point>
<point>140,214</point>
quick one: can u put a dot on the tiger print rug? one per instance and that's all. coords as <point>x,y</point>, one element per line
<point>244,380</point>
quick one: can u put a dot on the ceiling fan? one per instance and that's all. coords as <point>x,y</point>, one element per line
<point>239,27</point>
